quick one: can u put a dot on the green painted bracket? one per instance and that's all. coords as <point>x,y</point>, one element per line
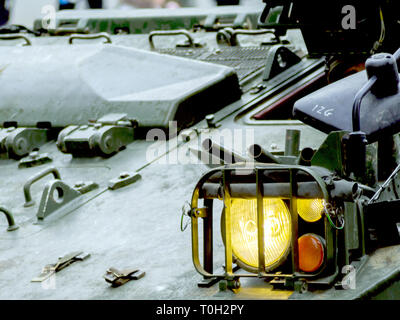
<point>329,155</point>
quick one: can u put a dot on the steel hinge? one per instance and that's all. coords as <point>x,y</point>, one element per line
<point>19,142</point>
<point>103,137</point>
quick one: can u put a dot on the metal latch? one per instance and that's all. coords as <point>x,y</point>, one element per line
<point>124,179</point>
<point>19,142</point>
<point>104,137</point>
<point>62,263</point>
<point>34,159</point>
<point>118,278</point>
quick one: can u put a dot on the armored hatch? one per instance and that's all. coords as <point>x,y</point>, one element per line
<point>65,85</point>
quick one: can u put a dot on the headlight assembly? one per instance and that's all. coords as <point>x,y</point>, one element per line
<point>310,209</point>
<point>273,224</point>
<point>277,232</point>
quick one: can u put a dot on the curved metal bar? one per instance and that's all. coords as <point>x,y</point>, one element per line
<point>264,13</point>
<point>195,226</point>
<point>27,186</point>
<point>357,102</point>
<point>250,32</point>
<point>15,37</point>
<point>10,219</point>
<point>229,35</point>
<point>170,33</point>
<point>226,35</point>
<point>90,37</point>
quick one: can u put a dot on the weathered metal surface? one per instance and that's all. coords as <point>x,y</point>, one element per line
<point>138,225</point>
<point>146,20</point>
<point>63,262</point>
<point>91,81</point>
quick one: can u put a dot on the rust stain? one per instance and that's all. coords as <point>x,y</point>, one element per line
<point>2,68</point>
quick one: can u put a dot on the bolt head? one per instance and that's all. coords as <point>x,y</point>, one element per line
<point>124,175</point>
<point>34,154</point>
<point>79,184</point>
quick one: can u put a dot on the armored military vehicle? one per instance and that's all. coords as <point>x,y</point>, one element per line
<point>163,152</point>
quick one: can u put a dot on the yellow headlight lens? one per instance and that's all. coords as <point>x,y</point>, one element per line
<point>277,230</point>
<point>310,209</point>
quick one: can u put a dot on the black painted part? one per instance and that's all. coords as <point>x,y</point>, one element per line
<point>67,6</point>
<point>210,100</point>
<point>326,27</point>
<point>4,13</point>
<point>95,4</point>
<point>227,2</point>
<point>386,157</point>
<point>355,153</point>
<point>357,102</point>
<point>383,66</point>
<point>331,109</point>
<point>208,237</point>
<point>381,219</point>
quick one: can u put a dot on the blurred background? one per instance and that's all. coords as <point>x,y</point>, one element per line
<point>24,12</point>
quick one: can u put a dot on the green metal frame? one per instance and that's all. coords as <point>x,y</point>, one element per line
<point>207,272</point>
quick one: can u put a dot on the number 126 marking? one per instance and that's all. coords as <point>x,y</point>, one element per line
<point>323,110</point>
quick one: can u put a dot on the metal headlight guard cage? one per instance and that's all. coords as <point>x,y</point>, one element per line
<point>323,276</point>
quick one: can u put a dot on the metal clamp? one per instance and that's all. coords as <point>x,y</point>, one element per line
<point>10,219</point>
<point>331,212</point>
<point>62,263</point>
<point>229,35</point>
<point>90,37</point>
<point>15,37</point>
<point>34,159</point>
<point>199,212</point>
<point>191,42</point>
<point>27,186</point>
<point>118,278</point>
